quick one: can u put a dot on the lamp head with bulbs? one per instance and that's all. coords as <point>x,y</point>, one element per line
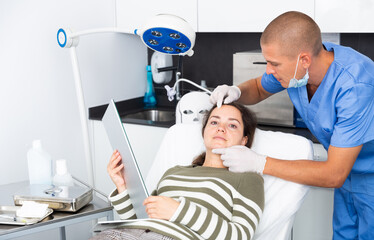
<point>165,33</point>
<point>168,34</point>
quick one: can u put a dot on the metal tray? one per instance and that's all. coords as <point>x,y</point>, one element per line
<point>66,198</point>
<point>8,216</point>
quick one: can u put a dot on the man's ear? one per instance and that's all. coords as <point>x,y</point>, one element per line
<point>306,59</point>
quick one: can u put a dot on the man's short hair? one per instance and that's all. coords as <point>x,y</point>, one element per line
<point>294,32</point>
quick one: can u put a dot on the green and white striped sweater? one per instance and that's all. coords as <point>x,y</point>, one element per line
<point>214,204</point>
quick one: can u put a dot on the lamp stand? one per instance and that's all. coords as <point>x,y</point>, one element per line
<point>82,114</point>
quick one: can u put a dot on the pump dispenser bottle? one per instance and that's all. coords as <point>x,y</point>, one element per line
<point>39,164</point>
<point>149,97</point>
<point>62,177</point>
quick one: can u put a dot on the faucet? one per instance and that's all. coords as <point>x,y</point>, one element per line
<point>177,94</point>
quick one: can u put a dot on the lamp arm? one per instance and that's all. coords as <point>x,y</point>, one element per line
<point>100,30</point>
<point>66,38</point>
<point>192,83</point>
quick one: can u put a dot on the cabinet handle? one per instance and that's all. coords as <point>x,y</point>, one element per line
<point>264,63</point>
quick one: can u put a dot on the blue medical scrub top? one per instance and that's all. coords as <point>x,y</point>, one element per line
<point>341,112</point>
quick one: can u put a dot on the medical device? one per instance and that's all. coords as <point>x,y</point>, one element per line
<point>59,198</point>
<point>171,90</point>
<point>160,61</point>
<point>164,33</point>
<point>192,107</point>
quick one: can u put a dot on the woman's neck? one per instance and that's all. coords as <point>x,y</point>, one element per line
<point>213,160</point>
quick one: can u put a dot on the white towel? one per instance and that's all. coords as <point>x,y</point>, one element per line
<point>32,209</point>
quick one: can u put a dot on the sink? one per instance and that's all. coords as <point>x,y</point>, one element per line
<point>154,115</point>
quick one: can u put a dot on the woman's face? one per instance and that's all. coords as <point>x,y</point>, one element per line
<point>224,128</point>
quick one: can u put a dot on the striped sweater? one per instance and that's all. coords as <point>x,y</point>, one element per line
<point>214,204</point>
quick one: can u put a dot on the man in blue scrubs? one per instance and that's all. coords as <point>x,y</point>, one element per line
<point>332,88</point>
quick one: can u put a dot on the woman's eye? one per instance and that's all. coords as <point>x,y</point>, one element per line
<point>213,122</point>
<point>233,126</point>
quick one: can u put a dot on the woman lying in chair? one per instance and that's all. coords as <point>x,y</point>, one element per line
<point>200,201</point>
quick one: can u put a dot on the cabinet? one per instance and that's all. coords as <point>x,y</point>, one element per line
<point>145,142</point>
<point>345,15</point>
<point>314,218</point>
<point>245,15</point>
<point>334,16</point>
<point>133,14</point>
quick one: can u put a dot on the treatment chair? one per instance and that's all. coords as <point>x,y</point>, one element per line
<point>183,142</point>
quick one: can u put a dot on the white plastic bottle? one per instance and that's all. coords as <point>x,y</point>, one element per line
<point>39,164</point>
<point>62,177</point>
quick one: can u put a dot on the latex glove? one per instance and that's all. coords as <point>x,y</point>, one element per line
<point>225,94</point>
<point>241,159</point>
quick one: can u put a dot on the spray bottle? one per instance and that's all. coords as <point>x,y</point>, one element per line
<point>149,97</point>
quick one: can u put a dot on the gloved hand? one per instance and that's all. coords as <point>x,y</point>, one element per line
<point>225,94</point>
<point>241,159</point>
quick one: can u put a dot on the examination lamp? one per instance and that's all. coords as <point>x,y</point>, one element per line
<point>164,33</point>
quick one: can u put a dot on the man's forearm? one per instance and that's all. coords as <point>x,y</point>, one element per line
<point>306,172</point>
<point>252,92</point>
<point>331,173</point>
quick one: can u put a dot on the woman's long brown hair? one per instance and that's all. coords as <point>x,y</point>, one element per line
<point>249,123</point>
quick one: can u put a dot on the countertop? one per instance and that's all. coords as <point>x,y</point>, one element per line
<point>96,209</point>
<point>136,105</point>
<point>132,106</point>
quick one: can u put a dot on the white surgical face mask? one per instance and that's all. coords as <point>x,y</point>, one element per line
<point>301,82</point>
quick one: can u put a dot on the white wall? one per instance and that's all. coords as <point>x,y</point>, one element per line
<point>37,93</point>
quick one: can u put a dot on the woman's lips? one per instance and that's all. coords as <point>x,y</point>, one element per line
<point>219,138</point>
